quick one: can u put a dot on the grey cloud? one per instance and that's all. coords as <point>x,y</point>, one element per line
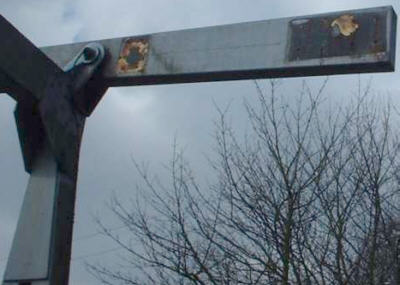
<point>140,121</point>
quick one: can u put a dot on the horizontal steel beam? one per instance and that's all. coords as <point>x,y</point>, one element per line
<point>355,41</point>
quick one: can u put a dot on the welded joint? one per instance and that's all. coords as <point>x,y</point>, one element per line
<point>60,112</point>
<point>64,106</point>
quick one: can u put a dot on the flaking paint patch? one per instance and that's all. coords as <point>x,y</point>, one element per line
<point>346,24</point>
<point>300,21</point>
<point>133,56</point>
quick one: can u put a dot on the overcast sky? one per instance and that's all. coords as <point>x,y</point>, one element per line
<point>140,122</point>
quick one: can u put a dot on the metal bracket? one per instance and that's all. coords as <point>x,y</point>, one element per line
<point>88,88</point>
<point>60,113</point>
<point>84,64</point>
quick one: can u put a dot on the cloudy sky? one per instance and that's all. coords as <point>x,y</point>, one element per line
<point>140,122</point>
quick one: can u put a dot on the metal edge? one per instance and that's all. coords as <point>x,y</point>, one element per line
<point>391,36</point>
<point>296,71</point>
<point>363,10</point>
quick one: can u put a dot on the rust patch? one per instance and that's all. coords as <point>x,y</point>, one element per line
<point>133,55</point>
<point>338,35</point>
<point>345,24</point>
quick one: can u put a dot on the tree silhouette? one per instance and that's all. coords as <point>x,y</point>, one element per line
<point>310,197</point>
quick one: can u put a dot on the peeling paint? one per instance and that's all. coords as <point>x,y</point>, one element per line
<point>350,35</point>
<point>133,56</point>
<point>300,21</point>
<point>345,24</point>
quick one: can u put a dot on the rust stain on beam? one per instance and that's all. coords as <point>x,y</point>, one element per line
<point>133,56</point>
<point>349,34</point>
<point>345,25</point>
<point>296,46</point>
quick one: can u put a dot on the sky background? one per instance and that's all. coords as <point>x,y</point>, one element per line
<point>142,122</point>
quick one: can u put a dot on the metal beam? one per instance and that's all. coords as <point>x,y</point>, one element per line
<point>35,223</point>
<point>22,64</point>
<point>57,87</point>
<point>50,132</point>
<point>355,41</point>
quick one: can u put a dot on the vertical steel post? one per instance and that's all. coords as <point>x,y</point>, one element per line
<point>50,126</point>
<point>40,253</point>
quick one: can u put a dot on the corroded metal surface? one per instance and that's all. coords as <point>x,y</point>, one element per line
<point>350,34</point>
<point>345,24</point>
<point>133,56</point>
<point>356,41</point>
<point>25,65</point>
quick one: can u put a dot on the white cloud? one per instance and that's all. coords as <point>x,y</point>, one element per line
<point>44,22</point>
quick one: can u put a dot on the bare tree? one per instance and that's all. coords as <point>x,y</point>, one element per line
<point>309,197</point>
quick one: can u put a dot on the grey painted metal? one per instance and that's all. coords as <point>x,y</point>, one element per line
<point>53,126</point>
<point>30,129</point>
<point>53,103</point>
<point>17,51</point>
<point>29,258</point>
<point>261,49</point>
<point>33,117</point>
<point>38,282</point>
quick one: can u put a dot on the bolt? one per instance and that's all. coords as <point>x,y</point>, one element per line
<point>89,54</point>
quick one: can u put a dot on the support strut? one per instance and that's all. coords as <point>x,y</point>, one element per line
<point>50,127</point>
